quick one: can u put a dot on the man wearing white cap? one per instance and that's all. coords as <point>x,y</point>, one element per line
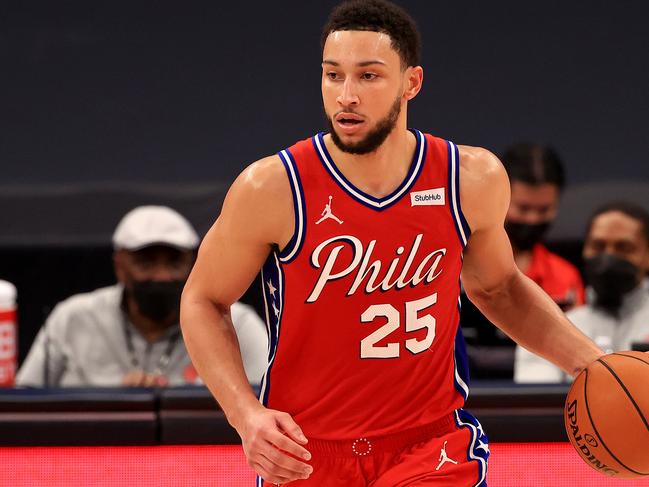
<point>128,334</point>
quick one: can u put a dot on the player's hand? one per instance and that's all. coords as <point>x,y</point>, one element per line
<point>272,442</point>
<point>139,378</point>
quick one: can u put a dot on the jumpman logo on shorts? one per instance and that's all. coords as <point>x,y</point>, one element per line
<point>443,457</point>
<point>326,213</point>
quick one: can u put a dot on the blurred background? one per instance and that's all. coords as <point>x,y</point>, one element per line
<point>108,105</point>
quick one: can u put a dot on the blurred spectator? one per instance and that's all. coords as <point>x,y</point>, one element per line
<point>537,178</point>
<point>128,334</point>
<point>616,257</point>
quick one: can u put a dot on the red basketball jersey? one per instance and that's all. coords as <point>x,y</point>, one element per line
<point>362,305</point>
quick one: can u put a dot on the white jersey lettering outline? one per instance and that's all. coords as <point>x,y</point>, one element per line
<point>368,271</point>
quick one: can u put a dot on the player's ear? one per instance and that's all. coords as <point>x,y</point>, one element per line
<point>414,79</point>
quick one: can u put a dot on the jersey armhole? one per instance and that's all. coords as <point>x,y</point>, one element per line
<point>461,225</point>
<point>292,248</point>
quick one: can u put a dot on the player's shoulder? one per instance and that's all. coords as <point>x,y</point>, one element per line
<point>264,175</point>
<point>262,186</point>
<point>479,162</point>
<point>484,187</point>
<point>270,174</point>
<point>259,203</point>
<point>481,175</point>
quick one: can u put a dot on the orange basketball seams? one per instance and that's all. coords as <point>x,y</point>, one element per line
<point>606,415</point>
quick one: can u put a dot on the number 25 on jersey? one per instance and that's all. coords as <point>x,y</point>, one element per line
<point>413,322</point>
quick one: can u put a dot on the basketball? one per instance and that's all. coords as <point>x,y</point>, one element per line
<point>607,415</point>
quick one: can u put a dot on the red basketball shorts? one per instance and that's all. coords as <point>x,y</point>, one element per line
<point>452,452</point>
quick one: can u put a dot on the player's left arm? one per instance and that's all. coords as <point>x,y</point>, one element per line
<point>491,279</point>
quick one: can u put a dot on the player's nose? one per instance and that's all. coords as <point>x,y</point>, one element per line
<point>348,95</point>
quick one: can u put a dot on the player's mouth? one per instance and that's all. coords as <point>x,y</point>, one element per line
<point>349,123</point>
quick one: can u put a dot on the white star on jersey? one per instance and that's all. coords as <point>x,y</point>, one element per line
<point>482,446</point>
<point>275,310</point>
<point>271,288</point>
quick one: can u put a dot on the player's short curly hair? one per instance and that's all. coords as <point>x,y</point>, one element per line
<point>378,16</point>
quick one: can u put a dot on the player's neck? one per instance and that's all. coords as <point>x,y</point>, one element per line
<point>380,172</point>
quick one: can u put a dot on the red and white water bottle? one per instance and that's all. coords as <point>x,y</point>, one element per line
<point>7,334</point>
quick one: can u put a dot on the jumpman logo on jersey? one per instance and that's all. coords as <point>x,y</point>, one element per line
<point>327,213</point>
<point>443,457</point>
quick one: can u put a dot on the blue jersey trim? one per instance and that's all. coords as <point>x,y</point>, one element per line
<point>461,225</point>
<point>464,223</point>
<point>274,306</point>
<point>292,249</point>
<point>461,378</point>
<point>478,449</point>
<point>361,197</point>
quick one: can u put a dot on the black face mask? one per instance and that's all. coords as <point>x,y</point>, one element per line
<point>157,300</point>
<point>611,278</point>
<point>524,236</point>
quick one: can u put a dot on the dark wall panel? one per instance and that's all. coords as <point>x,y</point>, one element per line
<point>193,91</point>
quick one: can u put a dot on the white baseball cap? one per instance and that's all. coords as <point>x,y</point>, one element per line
<point>145,226</point>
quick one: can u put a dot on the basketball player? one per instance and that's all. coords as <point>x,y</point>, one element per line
<point>365,356</point>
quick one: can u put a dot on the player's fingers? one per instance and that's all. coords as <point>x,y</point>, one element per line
<point>284,461</point>
<point>266,474</point>
<point>290,427</point>
<point>283,442</point>
<point>280,471</point>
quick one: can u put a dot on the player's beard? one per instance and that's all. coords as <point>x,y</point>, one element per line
<point>372,140</point>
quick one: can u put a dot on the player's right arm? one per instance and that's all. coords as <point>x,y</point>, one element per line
<point>257,214</point>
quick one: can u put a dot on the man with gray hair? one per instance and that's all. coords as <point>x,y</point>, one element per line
<point>128,334</point>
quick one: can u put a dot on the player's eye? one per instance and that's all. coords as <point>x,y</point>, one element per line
<point>368,76</point>
<point>332,75</point>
